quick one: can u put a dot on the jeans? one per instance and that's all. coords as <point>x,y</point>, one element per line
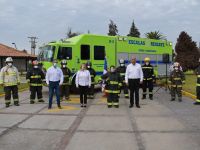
<point>54,87</point>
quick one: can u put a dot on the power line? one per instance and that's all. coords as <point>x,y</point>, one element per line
<point>33,44</point>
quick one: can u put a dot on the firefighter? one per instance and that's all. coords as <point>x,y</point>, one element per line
<point>92,74</point>
<point>176,80</point>
<point>149,78</point>
<point>9,78</point>
<point>35,78</point>
<point>198,85</point>
<point>65,87</point>
<point>112,87</point>
<point>121,70</point>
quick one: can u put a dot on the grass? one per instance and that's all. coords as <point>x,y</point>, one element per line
<point>21,86</point>
<point>190,84</point>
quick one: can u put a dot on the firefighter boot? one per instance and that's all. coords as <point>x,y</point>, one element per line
<point>41,100</point>
<point>7,105</point>
<point>16,103</point>
<point>32,102</point>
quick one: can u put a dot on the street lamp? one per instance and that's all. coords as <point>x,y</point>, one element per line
<point>15,45</point>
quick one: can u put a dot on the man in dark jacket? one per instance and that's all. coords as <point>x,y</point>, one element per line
<point>35,78</point>
<point>176,80</point>
<point>121,70</point>
<point>65,87</point>
<point>148,79</point>
<point>112,87</point>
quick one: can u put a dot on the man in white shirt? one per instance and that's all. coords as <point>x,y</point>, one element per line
<point>54,78</point>
<point>133,79</point>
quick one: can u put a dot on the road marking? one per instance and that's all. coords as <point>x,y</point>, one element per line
<point>189,94</point>
<point>64,108</point>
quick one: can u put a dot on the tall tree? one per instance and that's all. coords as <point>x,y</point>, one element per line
<point>134,32</point>
<point>155,35</point>
<point>71,34</point>
<point>112,29</point>
<point>187,52</point>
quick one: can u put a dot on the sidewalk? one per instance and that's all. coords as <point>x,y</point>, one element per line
<point>158,125</point>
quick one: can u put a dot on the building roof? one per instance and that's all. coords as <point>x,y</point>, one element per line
<point>6,51</point>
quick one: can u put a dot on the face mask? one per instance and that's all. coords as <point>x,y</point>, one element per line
<point>9,64</point>
<point>112,70</point>
<point>88,66</point>
<point>35,66</point>
<point>176,68</point>
<point>122,65</point>
<point>147,63</point>
<point>64,66</point>
<point>55,64</point>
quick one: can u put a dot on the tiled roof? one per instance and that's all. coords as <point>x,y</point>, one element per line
<point>6,51</point>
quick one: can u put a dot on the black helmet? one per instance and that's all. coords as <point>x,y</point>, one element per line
<point>88,64</point>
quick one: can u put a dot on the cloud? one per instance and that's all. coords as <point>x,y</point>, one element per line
<point>50,19</point>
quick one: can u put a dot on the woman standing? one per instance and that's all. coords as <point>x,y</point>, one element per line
<point>83,82</point>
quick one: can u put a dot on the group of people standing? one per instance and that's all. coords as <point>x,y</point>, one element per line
<point>131,78</point>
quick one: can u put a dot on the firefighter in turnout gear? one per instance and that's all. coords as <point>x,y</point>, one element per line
<point>65,87</point>
<point>149,78</point>
<point>112,87</point>
<point>198,85</point>
<point>176,80</point>
<point>121,70</point>
<point>35,78</point>
<point>9,79</point>
<point>92,74</point>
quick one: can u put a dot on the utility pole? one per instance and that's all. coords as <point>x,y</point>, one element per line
<point>33,44</point>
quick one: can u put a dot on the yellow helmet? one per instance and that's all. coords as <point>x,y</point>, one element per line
<point>146,59</point>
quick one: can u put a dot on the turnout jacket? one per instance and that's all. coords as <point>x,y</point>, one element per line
<point>177,78</point>
<point>35,76</point>
<point>9,76</point>
<point>148,72</point>
<point>66,75</point>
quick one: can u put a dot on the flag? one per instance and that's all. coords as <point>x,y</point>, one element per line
<point>104,72</point>
<point>105,66</point>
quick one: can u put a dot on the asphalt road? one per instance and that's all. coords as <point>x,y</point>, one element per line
<point>158,125</point>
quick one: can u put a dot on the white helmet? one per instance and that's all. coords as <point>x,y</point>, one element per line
<point>9,59</point>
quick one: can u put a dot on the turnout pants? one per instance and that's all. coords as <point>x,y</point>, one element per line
<point>83,94</point>
<point>91,90</point>
<point>134,85</point>
<point>175,90</point>
<point>147,84</point>
<point>64,91</point>
<point>125,89</point>
<point>11,90</point>
<point>112,99</point>
<point>36,90</point>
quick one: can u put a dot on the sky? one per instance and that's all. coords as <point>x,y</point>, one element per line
<point>49,20</point>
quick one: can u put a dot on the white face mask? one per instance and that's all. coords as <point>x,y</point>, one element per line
<point>176,68</point>
<point>9,64</point>
<point>35,66</point>
<point>147,63</point>
<point>55,64</point>
<point>64,66</point>
<point>88,66</point>
<point>112,70</point>
<point>122,65</point>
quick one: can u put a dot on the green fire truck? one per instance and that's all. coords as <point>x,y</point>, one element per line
<point>95,48</point>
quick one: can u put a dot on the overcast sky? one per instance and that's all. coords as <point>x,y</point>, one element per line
<point>50,19</point>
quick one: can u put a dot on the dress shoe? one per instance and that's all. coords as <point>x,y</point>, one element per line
<point>138,106</point>
<point>130,106</point>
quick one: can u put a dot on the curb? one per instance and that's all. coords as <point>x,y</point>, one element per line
<point>189,94</point>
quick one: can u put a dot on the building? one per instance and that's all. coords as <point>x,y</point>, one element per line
<point>20,58</point>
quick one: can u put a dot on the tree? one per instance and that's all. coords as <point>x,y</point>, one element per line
<point>71,34</point>
<point>155,35</point>
<point>134,32</point>
<point>187,52</point>
<point>112,29</point>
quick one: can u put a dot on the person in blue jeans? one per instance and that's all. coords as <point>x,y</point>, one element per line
<point>54,78</point>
